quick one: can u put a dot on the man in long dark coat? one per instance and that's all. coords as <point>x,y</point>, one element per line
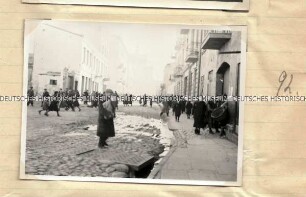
<point>183,105</point>
<point>106,126</point>
<point>30,95</point>
<point>199,116</point>
<point>188,109</point>
<point>177,111</point>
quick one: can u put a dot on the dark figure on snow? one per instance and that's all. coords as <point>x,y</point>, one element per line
<point>30,95</point>
<point>177,111</point>
<point>151,102</point>
<point>106,126</point>
<point>199,115</point>
<point>188,109</point>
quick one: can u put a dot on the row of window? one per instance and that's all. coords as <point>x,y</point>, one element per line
<point>93,62</point>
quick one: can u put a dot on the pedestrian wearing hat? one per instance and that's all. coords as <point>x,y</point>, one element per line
<point>106,126</point>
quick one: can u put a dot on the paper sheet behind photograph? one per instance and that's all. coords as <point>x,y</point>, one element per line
<point>274,140</point>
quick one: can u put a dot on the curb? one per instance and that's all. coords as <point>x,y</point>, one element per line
<point>155,173</point>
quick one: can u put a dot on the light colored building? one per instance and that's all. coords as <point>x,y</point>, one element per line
<point>169,80</point>
<point>59,58</point>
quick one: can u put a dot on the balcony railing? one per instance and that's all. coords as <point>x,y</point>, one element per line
<point>192,56</point>
<point>215,40</point>
<point>178,72</point>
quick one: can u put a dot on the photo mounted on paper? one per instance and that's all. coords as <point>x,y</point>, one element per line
<point>237,5</point>
<point>138,103</point>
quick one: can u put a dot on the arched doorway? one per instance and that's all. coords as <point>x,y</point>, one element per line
<point>223,80</point>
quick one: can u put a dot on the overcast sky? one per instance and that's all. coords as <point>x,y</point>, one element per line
<point>154,42</point>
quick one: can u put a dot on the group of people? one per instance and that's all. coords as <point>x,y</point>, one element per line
<point>203,114</point>
<point>57,102</point>
<point>107,107</point>
<point>71,100</point>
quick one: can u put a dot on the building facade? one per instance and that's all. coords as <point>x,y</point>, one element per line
<point>208,64</point>
<point>66,61</point>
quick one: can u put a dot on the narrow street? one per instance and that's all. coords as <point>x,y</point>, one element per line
<point>67,145</point>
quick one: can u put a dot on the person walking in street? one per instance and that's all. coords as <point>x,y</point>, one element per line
<point>54,104</point>
<point>126,100</point>
<point>76,103</point>
<point>172,106</point>
<point>30,95</point>
<point>183,105</point>
<point>144,100</point>
<point>165,108</point>
<point>177,111</point>
<point>70,100</point>
<point>106,126</point>
<point>85,95</point>
<point>117,100</point>
<point>94,99</point>
<point>188,109</point>
<point>151,102</point>
<point>45,102</point>
<point>131,100</point>
<point>211,106</point>
<point>199,116</point>
<point>221,122</point>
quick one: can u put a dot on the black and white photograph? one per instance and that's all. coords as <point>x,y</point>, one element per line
<point>235,5</point>
<point>133,102</point>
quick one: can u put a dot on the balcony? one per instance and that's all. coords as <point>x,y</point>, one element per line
<point>178,72</point>
<point>192,56</point>
<point>215,40</point>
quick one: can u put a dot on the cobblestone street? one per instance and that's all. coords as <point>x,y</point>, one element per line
<point>67,145</point>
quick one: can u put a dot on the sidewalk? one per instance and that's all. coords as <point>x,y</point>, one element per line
<point>199,157</point>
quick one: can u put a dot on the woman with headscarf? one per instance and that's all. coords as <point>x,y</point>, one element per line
<point>106,126</point>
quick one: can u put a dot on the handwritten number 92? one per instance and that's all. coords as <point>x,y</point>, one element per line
<point>282,79</point>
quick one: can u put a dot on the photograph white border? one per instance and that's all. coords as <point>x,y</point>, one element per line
<point>187,4</point>
<point>23,175</point>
